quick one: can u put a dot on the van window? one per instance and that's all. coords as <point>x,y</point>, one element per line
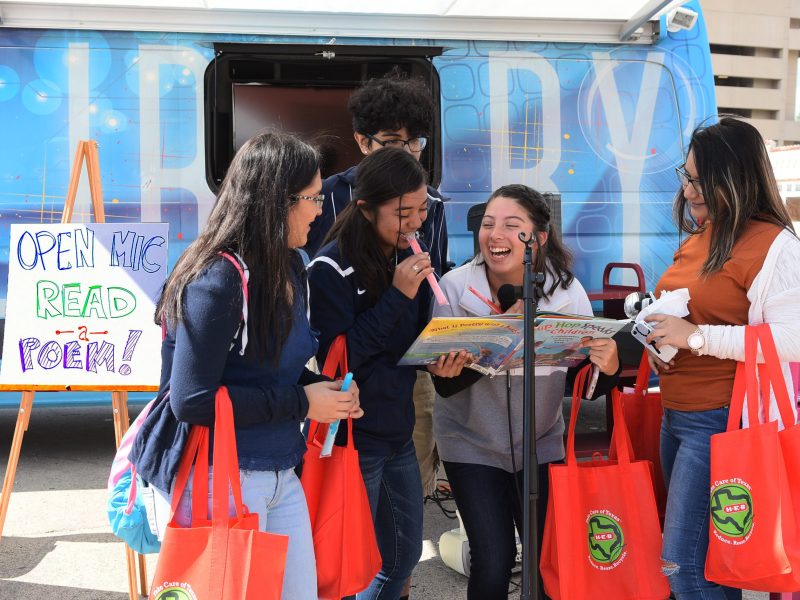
<point>304,89</point>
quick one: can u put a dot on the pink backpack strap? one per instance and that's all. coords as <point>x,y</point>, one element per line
<point>121,462</point>
<point>244,273</point>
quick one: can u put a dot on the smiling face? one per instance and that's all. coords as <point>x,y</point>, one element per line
<point>501,248</point>
<point>397,218</point>
<point>303,212</point>
<point>694,200</point>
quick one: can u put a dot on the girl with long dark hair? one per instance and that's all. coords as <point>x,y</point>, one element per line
<point>265,206</point>
<point>366,283</point>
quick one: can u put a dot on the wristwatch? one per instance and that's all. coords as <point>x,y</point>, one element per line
<point>696,341</point>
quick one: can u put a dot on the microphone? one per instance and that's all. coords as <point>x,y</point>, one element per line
<point>507,294</point>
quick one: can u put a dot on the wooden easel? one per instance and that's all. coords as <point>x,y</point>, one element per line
<point>87,150</point>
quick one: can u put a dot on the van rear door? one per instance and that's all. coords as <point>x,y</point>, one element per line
<point>303,88</point>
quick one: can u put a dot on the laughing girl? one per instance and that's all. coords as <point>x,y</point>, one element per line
<point>478,431</point>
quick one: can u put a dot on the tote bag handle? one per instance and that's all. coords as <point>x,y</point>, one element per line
<point>740,384</point>
<point>226,465</point>
<point>642,376</point>
<point>198,436</point>
<point>577,386</point>
<point>770,372</point>
<point>335,362</point>
<point>746,383</point>
<point>621,438</point>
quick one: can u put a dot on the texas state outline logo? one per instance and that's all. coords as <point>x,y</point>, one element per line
<point>606,540</point>
<point>732,512</point>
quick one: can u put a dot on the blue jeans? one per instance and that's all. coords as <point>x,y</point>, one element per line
<point>686,461</point>
<point>395,498</point>
<point>488,500</point>
<point>278,498</point>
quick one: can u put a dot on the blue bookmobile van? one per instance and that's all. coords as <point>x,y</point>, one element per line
<point>594,109</point>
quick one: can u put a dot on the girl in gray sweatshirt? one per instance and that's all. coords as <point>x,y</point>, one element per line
<point>478,431</point>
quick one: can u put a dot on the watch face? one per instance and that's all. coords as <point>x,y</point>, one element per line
<point>696,341</point>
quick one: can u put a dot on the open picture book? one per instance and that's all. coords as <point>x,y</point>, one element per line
<point>496,342</point>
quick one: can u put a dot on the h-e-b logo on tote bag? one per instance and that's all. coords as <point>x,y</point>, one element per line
<point>606,540</point>
<point>732,511</point>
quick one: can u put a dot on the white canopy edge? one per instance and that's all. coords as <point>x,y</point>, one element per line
<point>435,19</point>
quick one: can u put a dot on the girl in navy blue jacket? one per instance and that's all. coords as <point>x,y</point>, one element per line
<point>367,283</point>
<point>263,212</point>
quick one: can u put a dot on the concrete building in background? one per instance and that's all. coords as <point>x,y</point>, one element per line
<point>786,165</point>
<point>754,53</point>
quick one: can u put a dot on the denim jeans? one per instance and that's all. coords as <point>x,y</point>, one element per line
<point>395,498</point>
<point>491,511</point>
<point>278,498</point>
<point>686,461</point>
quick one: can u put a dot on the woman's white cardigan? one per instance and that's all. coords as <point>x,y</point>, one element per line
<point>775,299</point>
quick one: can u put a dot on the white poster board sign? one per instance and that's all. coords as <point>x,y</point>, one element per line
<point>80,304</point>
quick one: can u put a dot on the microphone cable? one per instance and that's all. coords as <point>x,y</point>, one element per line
<point>511,436</point>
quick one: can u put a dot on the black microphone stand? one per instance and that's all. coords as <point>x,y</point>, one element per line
<point>530,461</point>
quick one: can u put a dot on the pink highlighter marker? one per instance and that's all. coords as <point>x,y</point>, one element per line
<point>495,309</point>
<point>437,291</point>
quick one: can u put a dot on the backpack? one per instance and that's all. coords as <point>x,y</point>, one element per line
<point>127,513</point>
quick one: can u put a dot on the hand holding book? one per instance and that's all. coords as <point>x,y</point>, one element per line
<point>450,364</point>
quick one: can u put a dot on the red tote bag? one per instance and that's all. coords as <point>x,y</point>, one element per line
<point>643,413</point>
<point>341,520</point>
<point>601,536</point>
<point>753,537</point>
<point>226,558</point>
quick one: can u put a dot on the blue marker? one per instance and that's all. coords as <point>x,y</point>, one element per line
<point>327,447</point>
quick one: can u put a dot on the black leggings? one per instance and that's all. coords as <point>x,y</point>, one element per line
<point>490,507</point>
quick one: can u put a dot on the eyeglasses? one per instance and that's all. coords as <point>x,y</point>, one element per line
<point>416,144</point>
<point>686,179</point>
<point>319,199</point>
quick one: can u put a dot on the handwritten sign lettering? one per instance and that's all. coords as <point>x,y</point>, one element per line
<point>80,305</point>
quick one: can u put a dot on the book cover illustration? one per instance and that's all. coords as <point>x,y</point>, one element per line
<point>492,341</point>
<point>557,338</point>
<point>496,343</point>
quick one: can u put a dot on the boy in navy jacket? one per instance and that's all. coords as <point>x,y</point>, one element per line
<point>392,111</point>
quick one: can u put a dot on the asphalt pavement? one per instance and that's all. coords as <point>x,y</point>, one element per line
<point>57,543</point>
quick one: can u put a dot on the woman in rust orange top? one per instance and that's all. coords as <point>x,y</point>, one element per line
<point>741,265</point>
